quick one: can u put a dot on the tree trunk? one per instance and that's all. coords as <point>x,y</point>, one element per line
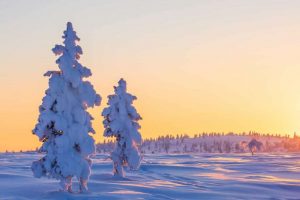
<point>66,184</point>
<point>118,169</point>
<point>83,185</point>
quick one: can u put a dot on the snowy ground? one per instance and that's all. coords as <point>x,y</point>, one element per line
<point>205,176</point>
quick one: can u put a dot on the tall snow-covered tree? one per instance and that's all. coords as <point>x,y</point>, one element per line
<point>121,121</point>
<point>64,124</point>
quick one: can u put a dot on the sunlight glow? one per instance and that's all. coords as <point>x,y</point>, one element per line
<point>191,69</point>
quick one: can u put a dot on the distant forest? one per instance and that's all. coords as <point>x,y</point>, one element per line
<point>213,143</point>
<point>209,143</point>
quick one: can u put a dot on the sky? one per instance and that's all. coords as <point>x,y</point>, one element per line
<point>194,65</point>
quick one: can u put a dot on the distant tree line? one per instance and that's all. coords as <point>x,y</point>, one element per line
<point>214,143</point>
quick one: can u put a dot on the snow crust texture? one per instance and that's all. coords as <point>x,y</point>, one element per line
<point>189,176</point>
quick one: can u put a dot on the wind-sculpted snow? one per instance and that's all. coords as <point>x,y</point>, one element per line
<point>202,176</point>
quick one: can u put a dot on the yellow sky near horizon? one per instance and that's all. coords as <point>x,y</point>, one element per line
<point>194,66</point>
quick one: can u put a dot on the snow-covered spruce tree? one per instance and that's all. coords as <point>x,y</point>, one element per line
<point>64,124</point>
<point>121,122</point>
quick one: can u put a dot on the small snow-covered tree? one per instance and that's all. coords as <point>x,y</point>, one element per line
<point>254,145</point>
<point>121,121</point>
<point>64,124</point>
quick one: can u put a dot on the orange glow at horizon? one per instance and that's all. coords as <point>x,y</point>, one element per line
<point>192,70</point>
